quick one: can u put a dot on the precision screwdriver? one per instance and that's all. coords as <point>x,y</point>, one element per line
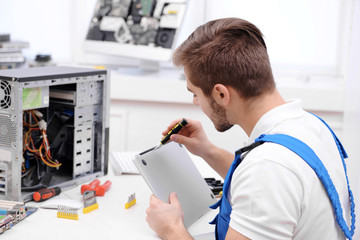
<point>174,130</point>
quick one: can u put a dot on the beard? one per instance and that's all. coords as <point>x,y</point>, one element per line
<point>219,117</point>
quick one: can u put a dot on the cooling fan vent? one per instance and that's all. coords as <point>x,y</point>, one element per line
<point>5,98</point>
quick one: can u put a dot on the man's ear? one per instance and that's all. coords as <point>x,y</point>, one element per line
<point>221,94</point>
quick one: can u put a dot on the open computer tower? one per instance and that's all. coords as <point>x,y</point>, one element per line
<point>54,128</point>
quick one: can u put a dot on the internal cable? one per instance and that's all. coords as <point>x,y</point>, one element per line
<point>43,150</point>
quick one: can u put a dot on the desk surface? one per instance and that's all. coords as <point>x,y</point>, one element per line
<point>110,221</point>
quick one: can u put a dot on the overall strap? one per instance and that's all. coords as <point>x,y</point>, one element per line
<point>338,143</point>
<point>309,156</point>
<point>222,219</point>
<point>343,155</point>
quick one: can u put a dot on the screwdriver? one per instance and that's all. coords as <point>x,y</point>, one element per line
<point>46,193</point>
<point>174,130</point>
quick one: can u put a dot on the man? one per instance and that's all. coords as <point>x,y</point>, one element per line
<point>273,193</point>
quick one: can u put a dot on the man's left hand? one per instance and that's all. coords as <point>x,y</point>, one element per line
<point>167,219</point>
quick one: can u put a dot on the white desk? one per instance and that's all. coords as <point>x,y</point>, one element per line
<point>110,221</point>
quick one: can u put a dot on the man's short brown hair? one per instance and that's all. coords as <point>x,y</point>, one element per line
<point>230,51</point>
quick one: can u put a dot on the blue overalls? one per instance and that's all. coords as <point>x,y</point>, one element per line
<point>308,155</point>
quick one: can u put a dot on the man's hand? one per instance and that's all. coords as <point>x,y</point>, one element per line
<point>167,219</point>
<point>192,136</point>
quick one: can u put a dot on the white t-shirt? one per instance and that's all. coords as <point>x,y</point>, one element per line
<point>275,194</point>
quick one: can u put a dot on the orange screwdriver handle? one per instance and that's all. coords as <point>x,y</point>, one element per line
<point>46,193</point>
<point>100,190</point>
<point>90,186</point>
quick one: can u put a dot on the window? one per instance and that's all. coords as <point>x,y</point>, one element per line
<point>301,35</point>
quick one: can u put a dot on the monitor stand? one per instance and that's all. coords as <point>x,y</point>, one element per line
<point>146,67</point>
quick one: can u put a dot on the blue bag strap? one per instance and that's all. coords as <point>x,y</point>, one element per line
<point>309,156</point>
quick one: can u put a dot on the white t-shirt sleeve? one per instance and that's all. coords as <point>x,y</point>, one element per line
<point>266,198</point>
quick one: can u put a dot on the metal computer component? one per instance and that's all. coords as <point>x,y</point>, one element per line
<point>149,23</point>
<point>165,37</point>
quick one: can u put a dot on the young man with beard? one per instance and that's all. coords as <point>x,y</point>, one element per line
<point>278,187</point>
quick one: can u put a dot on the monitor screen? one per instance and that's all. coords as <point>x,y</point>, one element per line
<point>142,29</point>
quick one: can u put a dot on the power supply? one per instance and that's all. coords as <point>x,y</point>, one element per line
<point>54,128</point>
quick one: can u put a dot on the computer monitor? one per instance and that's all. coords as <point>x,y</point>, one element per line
<point>141,29</point>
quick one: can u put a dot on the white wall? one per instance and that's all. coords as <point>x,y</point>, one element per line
<point>302,33</point>
<point>45,24</point>
<point>352,109</point>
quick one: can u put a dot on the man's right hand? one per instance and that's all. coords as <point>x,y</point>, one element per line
<point>193,136</point>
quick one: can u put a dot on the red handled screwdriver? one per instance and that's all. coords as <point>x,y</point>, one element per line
<point>46,193</point>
